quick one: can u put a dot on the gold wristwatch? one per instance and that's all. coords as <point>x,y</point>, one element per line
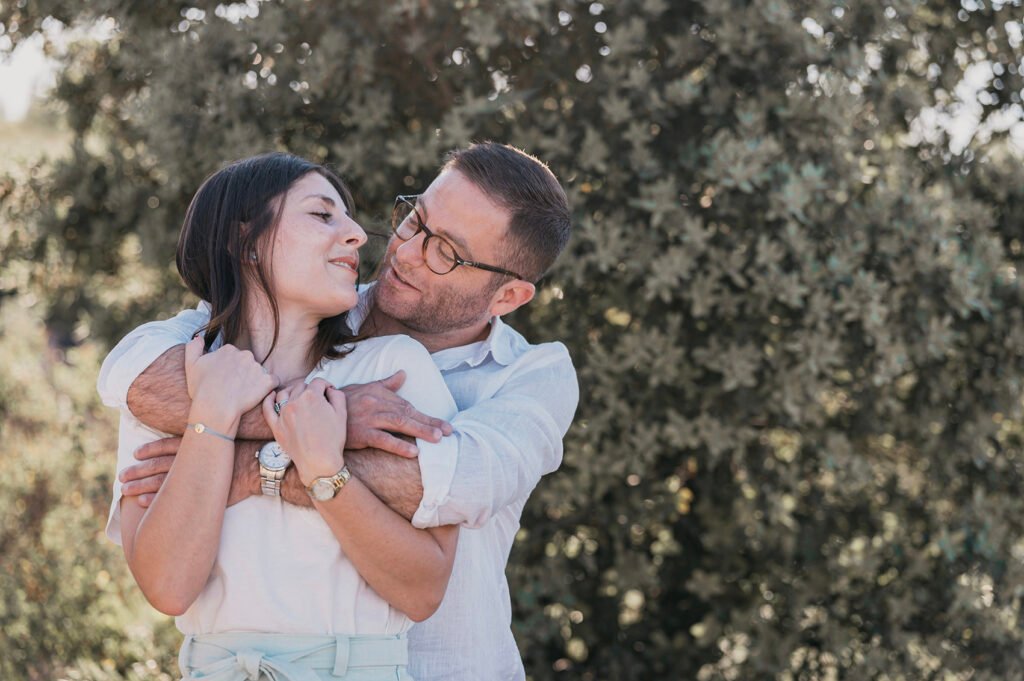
<point>324,489</point>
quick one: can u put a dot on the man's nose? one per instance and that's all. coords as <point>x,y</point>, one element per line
<point>410,252</point>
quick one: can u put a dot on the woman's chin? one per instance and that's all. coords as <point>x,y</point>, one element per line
<point>341,304</point>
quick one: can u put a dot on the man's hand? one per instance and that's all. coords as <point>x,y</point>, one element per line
<point>376,415</point>
<point>144,479</point>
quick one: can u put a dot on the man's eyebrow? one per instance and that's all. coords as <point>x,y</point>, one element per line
<point>455,239</point>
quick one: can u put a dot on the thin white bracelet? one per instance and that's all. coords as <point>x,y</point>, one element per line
<point>202,428</point>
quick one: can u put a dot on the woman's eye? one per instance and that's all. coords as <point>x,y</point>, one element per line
<point>323,216</point>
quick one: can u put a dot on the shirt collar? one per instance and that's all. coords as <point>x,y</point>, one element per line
<point>500,345</point>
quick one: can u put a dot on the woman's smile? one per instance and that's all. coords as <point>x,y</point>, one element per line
<point>348,262</point>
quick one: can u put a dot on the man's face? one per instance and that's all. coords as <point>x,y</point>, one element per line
<point>411,294</point>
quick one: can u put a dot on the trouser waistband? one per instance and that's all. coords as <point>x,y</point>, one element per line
<point>287,657</point>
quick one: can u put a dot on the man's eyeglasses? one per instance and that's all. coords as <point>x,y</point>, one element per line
<point>438,252</point>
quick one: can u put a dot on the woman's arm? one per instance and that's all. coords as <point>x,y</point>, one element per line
<point>171,546</point>
<point>408,567</point>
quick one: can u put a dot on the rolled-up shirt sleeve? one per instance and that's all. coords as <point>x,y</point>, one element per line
<point>140,348</point>
<point>502,445</point>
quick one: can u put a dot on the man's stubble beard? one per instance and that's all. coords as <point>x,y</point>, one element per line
<point>442,313</point>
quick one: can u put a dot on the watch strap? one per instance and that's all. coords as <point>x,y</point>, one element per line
<point>270,482</point>
<point>270,479</point>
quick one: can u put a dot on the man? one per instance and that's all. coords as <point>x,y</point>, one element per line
<point>464,253</point>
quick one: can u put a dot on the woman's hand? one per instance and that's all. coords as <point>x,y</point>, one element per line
<point>311,427</point>
<point>224,384</point>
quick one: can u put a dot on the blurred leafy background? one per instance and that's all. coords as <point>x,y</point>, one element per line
<point>792,297</point>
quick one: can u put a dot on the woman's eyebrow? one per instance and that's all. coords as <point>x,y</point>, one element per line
<point>326,199</point>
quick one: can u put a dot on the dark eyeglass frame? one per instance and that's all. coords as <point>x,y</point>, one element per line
<point>421,226</point>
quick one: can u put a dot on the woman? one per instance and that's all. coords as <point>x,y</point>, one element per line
<point>262,587</point>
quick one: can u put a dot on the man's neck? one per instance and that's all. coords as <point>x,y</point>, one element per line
<point>380,324</point>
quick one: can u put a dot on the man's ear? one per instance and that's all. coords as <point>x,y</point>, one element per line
<point>511,296</point>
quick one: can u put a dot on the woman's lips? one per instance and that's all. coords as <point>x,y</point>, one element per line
<point>350,263</point>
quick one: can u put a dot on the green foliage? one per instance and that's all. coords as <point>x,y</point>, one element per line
<point>68,604</point>
<point>796,314</point>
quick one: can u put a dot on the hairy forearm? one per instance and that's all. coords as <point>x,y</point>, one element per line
<point>292,489</point>
<point>394,480</point>
<point>245,477</point>
<point>159,398</point>
<point>254,427</point>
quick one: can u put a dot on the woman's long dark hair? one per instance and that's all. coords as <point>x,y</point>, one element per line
<point>223,237</point>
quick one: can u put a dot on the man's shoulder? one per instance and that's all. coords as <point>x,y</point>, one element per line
<point>182,326</point>
<point>512,348</point>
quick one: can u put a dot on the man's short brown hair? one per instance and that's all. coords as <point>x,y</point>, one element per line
<point>539,223</point>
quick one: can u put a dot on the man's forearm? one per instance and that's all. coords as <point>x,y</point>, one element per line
<point>159,398</point>
<point>394,480</point>
<point>245,478</point>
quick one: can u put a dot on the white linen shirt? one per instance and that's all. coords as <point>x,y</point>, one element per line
<point>516,402</point>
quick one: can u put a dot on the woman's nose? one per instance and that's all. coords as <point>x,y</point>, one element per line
<point>353,234</point>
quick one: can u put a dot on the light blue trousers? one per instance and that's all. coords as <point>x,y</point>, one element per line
<point>288,657</point>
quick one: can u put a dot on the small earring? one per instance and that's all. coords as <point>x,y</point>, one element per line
<point>252,256</point>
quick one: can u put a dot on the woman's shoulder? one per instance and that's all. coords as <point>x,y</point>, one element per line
<point>378,345</point>
<point>370,359</point>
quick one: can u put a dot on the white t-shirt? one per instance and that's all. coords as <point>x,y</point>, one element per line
<point>279,567</point>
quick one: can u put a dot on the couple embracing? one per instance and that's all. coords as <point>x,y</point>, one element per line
<point>353,460</point>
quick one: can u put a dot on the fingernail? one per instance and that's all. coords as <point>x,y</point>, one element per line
<point>414,451</point>
<point>437,433</point>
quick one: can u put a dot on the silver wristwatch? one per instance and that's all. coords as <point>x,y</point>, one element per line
<point>273,461</point>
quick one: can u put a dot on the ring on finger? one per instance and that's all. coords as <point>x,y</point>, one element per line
<point>278,406</point>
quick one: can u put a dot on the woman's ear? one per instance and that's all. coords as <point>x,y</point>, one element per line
<point>512,296</point>
<point>252,254</point>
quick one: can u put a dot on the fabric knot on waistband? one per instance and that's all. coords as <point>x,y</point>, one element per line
<point>251,662</point>
<point>289,657</point>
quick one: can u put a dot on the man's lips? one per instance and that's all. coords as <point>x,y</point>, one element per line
<point>393,272</point>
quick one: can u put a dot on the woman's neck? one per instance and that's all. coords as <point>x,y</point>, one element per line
<point>290,357</point>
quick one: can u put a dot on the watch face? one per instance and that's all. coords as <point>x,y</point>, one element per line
<point>273,457</point>
<point>323,489</point>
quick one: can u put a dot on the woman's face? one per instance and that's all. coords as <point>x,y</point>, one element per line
<point>315,259</point>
